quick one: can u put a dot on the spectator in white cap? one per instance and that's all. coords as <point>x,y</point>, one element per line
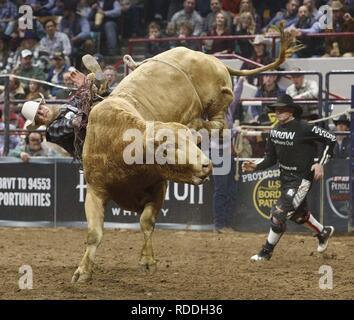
<point>26,68</point>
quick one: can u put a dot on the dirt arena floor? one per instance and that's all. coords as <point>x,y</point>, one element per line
<point>192,265</point>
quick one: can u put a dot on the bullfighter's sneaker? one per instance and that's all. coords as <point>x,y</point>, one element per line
<point>323,238</point>
<point>265,253</point>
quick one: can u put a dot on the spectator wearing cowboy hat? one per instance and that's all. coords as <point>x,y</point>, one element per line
<point>260,55</point>
<point>342,147</point>
<point>342,22</point>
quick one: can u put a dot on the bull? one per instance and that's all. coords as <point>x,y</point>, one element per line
<point>179,89</point>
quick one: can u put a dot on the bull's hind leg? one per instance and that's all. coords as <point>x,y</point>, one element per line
<point>94,208</point>
<point>147,225</point>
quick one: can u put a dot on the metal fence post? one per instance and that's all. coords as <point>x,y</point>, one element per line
<point>351,170</point>
<point>320,93</point>
<point>7,116</point>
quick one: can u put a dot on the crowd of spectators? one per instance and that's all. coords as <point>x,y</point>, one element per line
<point>64,30</point>
<point>247,17</point>
<point>188,18</point>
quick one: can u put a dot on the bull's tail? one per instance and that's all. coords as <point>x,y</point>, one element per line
<point>288,46</point>
<point>245,73</point>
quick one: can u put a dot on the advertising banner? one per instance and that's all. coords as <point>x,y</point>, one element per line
<point>53,193</point>
<point>337,194</point>
<point>258,192</point>
<point>185,204</point>
<point>27,192</point>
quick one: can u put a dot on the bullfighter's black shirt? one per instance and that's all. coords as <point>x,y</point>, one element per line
<point>294,146</point>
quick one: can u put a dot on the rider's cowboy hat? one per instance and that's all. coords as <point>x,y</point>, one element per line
<point>29,111</point>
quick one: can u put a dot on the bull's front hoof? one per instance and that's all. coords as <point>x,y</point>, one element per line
<point>81,276</point>
<point>148,268</point>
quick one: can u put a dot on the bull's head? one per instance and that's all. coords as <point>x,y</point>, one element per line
<point>176,154</point>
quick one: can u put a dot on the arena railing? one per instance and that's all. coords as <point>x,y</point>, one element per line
<point>351,172</point>
<point>133,41</point>
<point>264,101</point>
<point>327,83</point>
<point>274,37</point>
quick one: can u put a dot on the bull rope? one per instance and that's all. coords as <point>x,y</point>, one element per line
<point>129,61</point>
